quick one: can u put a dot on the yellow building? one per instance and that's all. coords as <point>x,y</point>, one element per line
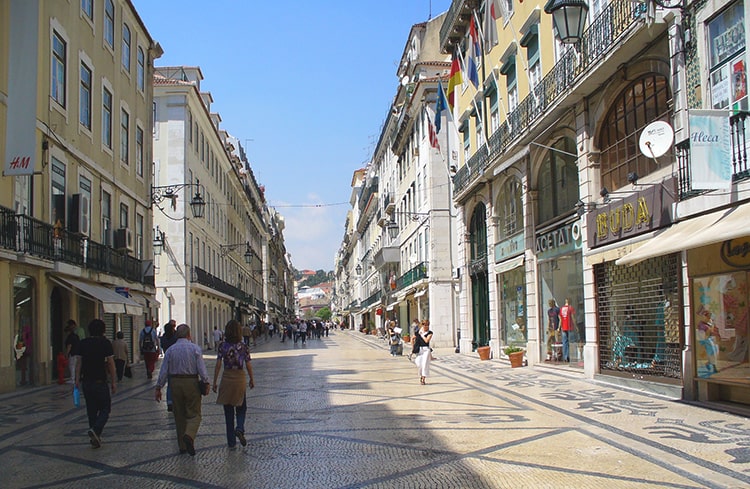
<point>75,134</point>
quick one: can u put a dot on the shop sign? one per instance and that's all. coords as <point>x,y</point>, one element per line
<point>710,149</point>
<point>509,248</point>
<point>559,241</point>
<point>736,253</point>
<point>643,211</point>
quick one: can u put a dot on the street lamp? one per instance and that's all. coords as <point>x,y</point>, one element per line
<point>248,255</point>
<point>392,228</point>
<point>158,243</point>
<point>358,269</point>
<point>569,17</point>
<point>197,204</point>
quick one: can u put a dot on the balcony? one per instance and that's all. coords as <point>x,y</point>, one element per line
<point>740,168</point>
<point>27,235</point>
<point>385,255</point>
<point>204,278</point>
<point>456,23</point>
<point>604,34</point>
<point>417,273</point>
<point>373,299</point>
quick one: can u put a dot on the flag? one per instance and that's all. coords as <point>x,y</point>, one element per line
<point>473,74</point>
<point>433,135</point>
<point>455,80</point>
<point>440,106</point>
<point>491,14</point>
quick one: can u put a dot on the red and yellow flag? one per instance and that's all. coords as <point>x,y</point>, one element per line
<point>454,81</point>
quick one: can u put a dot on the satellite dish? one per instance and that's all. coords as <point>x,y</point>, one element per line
<point>404,80</point>
<point>656,139</point>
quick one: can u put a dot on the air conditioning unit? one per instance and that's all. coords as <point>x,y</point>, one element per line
<point>80,220</point>
<point>123,239</point>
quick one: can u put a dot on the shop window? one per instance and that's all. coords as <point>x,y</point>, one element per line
<point>642,102</point>
<point>23,333</point>
<point>558,181</point>
<point>728,78</point>
<point>720,322</point>
<point>638,315</point>
<point>512,289</point>
<point>562,278</point>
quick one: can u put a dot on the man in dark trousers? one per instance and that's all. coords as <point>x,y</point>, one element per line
<point>94,363</point>
<point>183,367</point>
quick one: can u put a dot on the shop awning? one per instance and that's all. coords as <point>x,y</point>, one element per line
<point>509,264</point>
<point>112,302</point>
<point>420,293</point>
<point>692,233</point>
<point>391,306</point>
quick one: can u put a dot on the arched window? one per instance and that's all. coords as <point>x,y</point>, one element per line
<point>478,233</point>
<point>558,181</point>
<point>509,209</point>
<point>641,103</point>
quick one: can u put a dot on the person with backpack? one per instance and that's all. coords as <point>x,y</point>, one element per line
<point>149,346</point>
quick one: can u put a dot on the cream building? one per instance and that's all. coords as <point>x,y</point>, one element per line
<point>75,119</point>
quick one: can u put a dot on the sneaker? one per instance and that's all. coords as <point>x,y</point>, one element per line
<point>189,446</point>
<point>241,436</point>
<point>96,442</point>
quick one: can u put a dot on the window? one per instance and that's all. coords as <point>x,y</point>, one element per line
<point>728,78</point>
<point>124,216</point>
<point>508,69</point>
<point>107,118</point>
<point>106,218</point>
<point>84,184</point>
<point>85,97</point>
<point>58,192</point>
<point>141,69</point>
<point>87,7</point>
<point>126,47</point>
<point>124,137</point>
<point>479,130</point>
<point>139,236</point>
<point>467,140</point>
<point>558,181</point>
<point>510,210</point>
<point>109,23</point>
<point>494,108</point>
<point>138,151</point>
<point>59,60</point>
<point>190,126</point>
<point>640,103</point>
<point>530,41</point>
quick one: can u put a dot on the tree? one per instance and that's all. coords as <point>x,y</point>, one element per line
<point>324,314</point>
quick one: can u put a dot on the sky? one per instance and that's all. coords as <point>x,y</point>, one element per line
<point>305,87</point>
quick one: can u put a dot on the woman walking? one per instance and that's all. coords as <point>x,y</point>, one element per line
<point>234,356</point>
<point>423,351</point>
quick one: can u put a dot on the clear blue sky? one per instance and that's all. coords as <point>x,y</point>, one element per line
<point>305,86</point>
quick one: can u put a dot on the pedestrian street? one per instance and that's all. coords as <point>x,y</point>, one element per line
<point>340,412</point>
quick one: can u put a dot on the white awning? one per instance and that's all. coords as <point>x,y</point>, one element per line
<point>509,264</point>
<point>391,306</point>
<point>420,293</point>
<point>693,233</point>
<point>112,302</point>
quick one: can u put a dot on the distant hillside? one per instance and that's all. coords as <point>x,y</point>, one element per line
<point>310,278</point>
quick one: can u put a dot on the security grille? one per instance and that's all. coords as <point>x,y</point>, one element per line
<point>639,317</point>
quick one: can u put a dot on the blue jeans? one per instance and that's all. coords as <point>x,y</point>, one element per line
<point>98,404</point>
<point>229,416</point>
<point>565,346</point>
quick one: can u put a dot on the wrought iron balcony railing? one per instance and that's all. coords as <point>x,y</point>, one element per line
<point>25,234</point>
<point>204,278</point>
<point>417,273</point>
<point>374,298</point>
<point>599,39</point>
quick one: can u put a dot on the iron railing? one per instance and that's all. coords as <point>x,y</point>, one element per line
<point>204,278</point>
<point>599,39</point>
<point>372,299</point>
<point>417,273</point>
<point>25,234</point>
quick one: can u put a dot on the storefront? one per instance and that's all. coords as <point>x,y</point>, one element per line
<point>560,275</point>
<point>510,277</point>
<point>720,307</point>
<point>638,304</point>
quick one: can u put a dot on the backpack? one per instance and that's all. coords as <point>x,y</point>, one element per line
<point>148,343</point>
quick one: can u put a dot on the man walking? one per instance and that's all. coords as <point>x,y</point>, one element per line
<point>149,346</point>
<point>95,361</point>
<point>183,367</point>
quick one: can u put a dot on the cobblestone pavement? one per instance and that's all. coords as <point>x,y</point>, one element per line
<point>342,413</point>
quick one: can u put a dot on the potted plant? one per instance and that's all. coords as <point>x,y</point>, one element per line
<point>515,355</point>
<point>484,352</point>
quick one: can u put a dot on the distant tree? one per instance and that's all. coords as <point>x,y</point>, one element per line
<point>324,314</point>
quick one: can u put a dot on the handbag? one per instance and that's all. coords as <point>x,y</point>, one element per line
<point>204,387</point>
<point>128,372</point>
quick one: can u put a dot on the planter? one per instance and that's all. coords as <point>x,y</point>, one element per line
<point>484,352</point>
<point>516,359</point>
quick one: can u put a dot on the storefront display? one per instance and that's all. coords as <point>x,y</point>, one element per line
<point>561,278</point>
<point>23,340</point>
<point>511,285</point>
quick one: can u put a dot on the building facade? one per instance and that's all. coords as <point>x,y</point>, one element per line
<point>75,115</point>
